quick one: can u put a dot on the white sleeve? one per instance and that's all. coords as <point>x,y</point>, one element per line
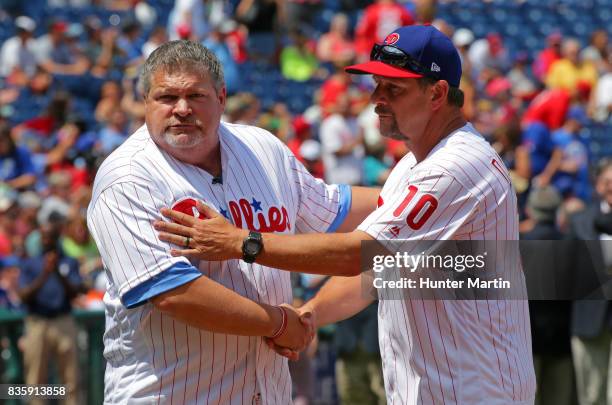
<point>121,222</point>
<point>433,206</point>
<point>322,207</point>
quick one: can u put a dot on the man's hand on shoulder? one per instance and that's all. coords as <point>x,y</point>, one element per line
<point>212,238</point>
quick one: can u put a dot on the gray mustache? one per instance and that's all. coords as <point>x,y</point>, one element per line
<point>380,110</point>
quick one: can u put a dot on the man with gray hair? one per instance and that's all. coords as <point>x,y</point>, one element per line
<point>189,331</point>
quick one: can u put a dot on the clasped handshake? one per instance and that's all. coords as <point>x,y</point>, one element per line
<point>295,331</point>
<point>214,239</point>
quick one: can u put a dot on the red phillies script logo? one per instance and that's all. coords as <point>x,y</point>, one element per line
<point>188,206</point>
<point>392,38</point>
<point>277,219</point>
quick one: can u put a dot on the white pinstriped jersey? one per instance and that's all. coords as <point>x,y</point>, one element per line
<point>151,357</point>
<point>443,351</point>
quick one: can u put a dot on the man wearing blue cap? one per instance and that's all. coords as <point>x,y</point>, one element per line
<point>452,186</point>
<point>9,276</point>
<point>568,167</point>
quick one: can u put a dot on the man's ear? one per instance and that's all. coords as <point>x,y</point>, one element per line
<point>439,94</point>
<point>222,95</point>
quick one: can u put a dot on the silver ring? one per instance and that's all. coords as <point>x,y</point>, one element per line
<point>187,241</point>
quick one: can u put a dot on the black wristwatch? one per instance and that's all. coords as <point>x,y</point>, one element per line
<point>251,247</point>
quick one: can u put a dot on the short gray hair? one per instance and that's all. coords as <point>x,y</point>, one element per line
<point>181,55</point>
<point>455,96</point>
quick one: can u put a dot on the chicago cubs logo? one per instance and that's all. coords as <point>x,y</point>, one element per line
<point>392,38</point>
<point>243,211</point>
<point>188,206</point>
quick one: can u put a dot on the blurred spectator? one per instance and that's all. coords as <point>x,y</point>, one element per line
<point>552,53</point>
<point>568,168</point>
<point>54,207</point>
<point>101,47</point>
<point>215,41</point>
<point>188,16</point>
<point>536,140</point>
<point>591,326</point>
<point>469,97</point>
<point>16,167</point>
<point>303,372</point>
<point>29,203</point>
<point>156,38</point>
<point>301,132</point>
<point>341,145</point>
<point>259,15</point>
<point>598,50</point>
<point>310,151</point>
<point>52,118</point>
<point>489,52</point>
<point>78,244</point>
<point>280,113</point>
<point>334,87</point>
<point>369,125</point>
<point>242,108</point>
<point>145,14</point>
<point>113,133</point>
<point>443,27</point>
<point>9,283</point>
<point>375,169</point>
<point>128,42</point>
<point>336,46</point>
<point>600,105</point>
<point>298,61</point>
<point>506,108</point>
<point>132,104</point>
<point>485,118</point>
<point>567,72</point>
<point>550,320</point>
<point>507,143</point>
<point>376,22</point>
<point>18,53</point>
<point>8,212</point>
<point>463,39</point>
<point>425,9</point>
<point>300,13</point>
<point>110,98</point>
<point>47,285</point>
<point>358,368</point>
<point>68,3</point>
<point>549,107</point>
<point>236,41</point>
<point>58,55</point>
<point>522,85</point>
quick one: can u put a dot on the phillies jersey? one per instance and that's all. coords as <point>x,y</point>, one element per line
<point>151,357</point>
<point>462,351</point>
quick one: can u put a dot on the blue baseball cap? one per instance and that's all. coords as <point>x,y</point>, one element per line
<point>411,52</point>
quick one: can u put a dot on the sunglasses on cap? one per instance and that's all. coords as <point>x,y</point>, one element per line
<point>392,55</point>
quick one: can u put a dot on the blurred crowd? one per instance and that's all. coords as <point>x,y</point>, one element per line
<point>69,96</point>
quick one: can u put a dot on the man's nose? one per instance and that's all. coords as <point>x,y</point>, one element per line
<point>182,107</point>
<point>377,97</point>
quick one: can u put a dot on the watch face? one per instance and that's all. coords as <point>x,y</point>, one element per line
<point>251,247</point>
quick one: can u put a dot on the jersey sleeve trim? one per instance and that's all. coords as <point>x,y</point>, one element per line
<point>169,279</point>
<point>345,197</point>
